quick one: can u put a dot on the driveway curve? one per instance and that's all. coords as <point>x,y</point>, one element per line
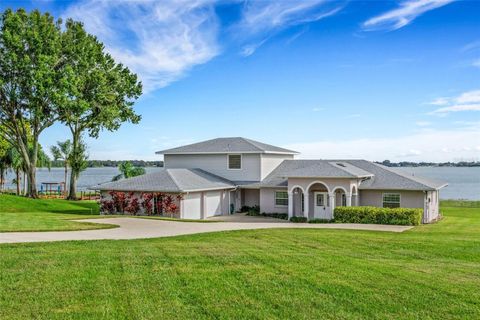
<point>137,228</point>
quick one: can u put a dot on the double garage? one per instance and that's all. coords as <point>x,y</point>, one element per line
<point>202,205</point>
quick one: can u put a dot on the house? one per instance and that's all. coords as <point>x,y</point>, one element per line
<point>222,175</point>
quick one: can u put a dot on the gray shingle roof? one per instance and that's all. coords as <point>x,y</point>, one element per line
<point>393,179</point>
<point>227,145</point>
<point>169,180</point>
<point>312,168</point>
<point>378,177</point>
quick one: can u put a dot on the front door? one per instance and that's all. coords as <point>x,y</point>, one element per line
<point>321,205</point>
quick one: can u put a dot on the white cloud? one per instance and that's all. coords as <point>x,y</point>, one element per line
<point>423,123</point>
<point>403,15</point>
<point>440,101</point>
<point>438,146</point>
<point>159,40</point>
<point>318,109</point>
<point>476,63</point>
<point>261,19</point>
<point>467,101</point>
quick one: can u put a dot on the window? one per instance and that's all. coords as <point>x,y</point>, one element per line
<point>320,200</point>
<point>234,161</point>
<point>281,198</point>
<point>391,200</point>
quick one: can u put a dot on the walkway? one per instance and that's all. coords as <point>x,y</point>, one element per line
<point>137,228</point>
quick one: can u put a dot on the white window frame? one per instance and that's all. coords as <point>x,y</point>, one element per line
<point>275,198</point>
<point>228,161</point>
<point>394,193</point>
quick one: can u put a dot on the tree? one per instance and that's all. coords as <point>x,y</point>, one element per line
<point>128,170</point>
<point>100,92</point>
<point>62,151</point>
<point>31,84</point>
<point>78,162</point>
<point>4,159</point>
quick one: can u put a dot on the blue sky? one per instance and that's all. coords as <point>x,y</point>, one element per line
<point>396,80</point>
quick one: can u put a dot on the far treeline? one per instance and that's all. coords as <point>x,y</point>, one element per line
<point>430,164</point>
<point>110,163</point>
<point>53,71</point>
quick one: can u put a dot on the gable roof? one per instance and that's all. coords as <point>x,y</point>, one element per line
<point>312,169</point>
<point>394,179</point>
<point>375,176</point>
<point>169,180</point>
<point>227,145</point>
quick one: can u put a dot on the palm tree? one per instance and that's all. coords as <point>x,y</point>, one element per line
<point>63,151</point>
<point>16,164</point>
<point>128,170</point>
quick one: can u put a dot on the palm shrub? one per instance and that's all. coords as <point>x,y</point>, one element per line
<point>374,215</point>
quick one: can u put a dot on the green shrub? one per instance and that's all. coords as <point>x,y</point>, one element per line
<point>320,221</point>
<point>374,215</point>
<point>252,211</point>
<point>283,216</point>
<point>298,219</point>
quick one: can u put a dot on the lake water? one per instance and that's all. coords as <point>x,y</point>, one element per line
<point>463,183</point>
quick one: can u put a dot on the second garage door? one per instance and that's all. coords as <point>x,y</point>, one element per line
<point>192,206</point>
<point>213,205</point>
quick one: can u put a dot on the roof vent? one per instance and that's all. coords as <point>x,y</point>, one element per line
<point>341,165</point>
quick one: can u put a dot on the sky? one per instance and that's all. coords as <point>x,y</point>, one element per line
<point>397,80</point>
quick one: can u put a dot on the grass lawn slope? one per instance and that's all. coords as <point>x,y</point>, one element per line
<point>430,272</point>
<point>24,214</point>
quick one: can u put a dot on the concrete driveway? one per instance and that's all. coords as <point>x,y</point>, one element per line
<point>137,228</point>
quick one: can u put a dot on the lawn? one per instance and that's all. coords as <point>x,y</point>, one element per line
<point>430,272</point>
<point>23,214</point>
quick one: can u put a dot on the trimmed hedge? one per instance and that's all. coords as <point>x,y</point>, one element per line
<point>374,215</point>
<point>320,220</point>
<point>298,219</point>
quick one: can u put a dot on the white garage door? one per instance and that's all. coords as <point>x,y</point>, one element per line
<point>192,208</point>
<point>213,203</point>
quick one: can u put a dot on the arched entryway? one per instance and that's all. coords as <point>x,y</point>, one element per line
<point>298,201</point>
<point>340,196</point>
<point>319,201</point>
<point>354,195</point>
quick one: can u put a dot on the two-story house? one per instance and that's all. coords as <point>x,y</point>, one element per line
<point>218,176</point>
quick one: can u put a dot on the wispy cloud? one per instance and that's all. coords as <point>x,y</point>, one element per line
<point>439,101</point>
<point>476,63</point>
<point>159,40</point>
<point>423,123</point>
<point>403,15</point>
<point>467,101</point>
<point>317,109</point>
<point>262,19</point>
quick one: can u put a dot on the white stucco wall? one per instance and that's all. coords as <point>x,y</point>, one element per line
<point>270,161</point>
<point>408,199</point>
<point>217,164</point>
<point>250,197</point>
<point>267,201</point>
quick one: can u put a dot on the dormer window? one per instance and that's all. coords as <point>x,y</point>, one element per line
<point>234,161</point>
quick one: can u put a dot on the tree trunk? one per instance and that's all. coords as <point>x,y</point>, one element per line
<point>66,173</point>
<point>2,178</point>
<point>72,193</point>
<point>17,173</point>
<point>24,191</point>
<point>32,182</point>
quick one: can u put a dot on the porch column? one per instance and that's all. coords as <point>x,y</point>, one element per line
<point>306,204</point>
<point>355,199</point>
<point>290,205</point>
<point>332,204</point>
<point>349,199</point>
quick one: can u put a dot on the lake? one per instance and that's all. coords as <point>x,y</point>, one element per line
<point>463,183</point>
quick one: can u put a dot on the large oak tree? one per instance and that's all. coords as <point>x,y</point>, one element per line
<point>100,92</point>
<point>30,87</point>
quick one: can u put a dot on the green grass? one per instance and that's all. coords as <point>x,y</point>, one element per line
<point>23,214</point>
<point>430,272</point>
